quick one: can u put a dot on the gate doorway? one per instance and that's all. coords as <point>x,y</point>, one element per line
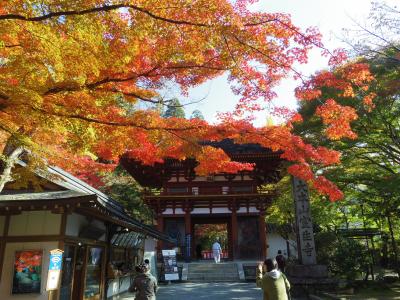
<point>205,232</point>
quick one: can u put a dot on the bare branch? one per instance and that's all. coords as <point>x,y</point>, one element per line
<point>9,163</point>
<point>260,22</point>
<point>98,9</point>
<point>4,97</point>
<point>116,124</point>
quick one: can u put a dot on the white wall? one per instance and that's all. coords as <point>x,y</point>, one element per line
<point>150,254</point>
<point>277,242</point>
<point>170,211</point>
<point>76,222</point>
<point>35,223</point>
<point>217,210</point>
<point>8,269</point>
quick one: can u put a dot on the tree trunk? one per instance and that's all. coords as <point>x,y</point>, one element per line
<point>8,165</point>
<point>394,246</point>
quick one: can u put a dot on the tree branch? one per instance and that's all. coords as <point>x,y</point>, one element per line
<point>9,163</point>
<point>261,22</point>
<point>116,124</point>
<point>4,97</point>
<point>98,9</point>
<point>95,84</point>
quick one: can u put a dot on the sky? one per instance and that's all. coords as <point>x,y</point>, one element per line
<point>329,16</point>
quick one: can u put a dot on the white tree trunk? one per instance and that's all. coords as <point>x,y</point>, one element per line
<point>8,165</point>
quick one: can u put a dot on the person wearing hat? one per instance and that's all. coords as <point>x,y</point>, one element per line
<point>145,285</point>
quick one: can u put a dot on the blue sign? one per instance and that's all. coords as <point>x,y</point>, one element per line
<point>55,261</point>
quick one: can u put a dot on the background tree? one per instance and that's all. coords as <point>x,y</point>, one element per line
<point>123,188</point>
<point>369,173</point>
<point>174,109</point>
<point>207,234</point>
<point>73,73</point>
<point>197,114</point>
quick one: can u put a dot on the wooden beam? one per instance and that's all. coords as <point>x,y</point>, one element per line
<point>188,234</point>
<point>63,228</point>
<point>234,230</point>
<point>3,243</point>
<point>160,227</point>
<point>31,238</point>
<point>263,235</point>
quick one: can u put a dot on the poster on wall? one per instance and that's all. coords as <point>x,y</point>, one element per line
<point>27,272</point>
<point>170,265</point>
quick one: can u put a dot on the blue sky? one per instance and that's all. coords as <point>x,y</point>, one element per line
<point>329,16</point>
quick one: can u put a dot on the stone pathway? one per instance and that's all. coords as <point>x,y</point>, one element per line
<point>209,291</point>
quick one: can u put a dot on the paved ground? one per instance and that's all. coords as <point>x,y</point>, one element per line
<point>209,291</point>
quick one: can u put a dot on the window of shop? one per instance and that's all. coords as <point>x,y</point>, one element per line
<point>126,253</point>
<point>67,272</point>
<point>93,273</point>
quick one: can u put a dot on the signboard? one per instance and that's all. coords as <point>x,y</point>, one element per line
<point>54,274</point>
<point>305,233</point>
<point>170,265</point>
<point>27,272</point>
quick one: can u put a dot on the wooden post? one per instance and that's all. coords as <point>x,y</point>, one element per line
<point>3,243</point>
<point>188,234</point>
<point>160,227</point>
<point>188,223</point>
<point>263,235</point>
<point>234,224</point>
<point>52,295</point>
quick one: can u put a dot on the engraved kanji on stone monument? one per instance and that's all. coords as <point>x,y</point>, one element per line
<point>305,234</point>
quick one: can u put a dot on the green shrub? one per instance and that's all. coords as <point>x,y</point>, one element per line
<point>345,258</point>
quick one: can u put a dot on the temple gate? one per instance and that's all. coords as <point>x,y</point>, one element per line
<point>180,199</point>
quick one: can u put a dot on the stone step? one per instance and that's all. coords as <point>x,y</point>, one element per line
<point>212,266</point>
<point>213,275</point>
<point>217,279</point>
<point>213,272</point>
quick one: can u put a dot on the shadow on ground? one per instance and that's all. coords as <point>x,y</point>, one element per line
<point>220,291</point>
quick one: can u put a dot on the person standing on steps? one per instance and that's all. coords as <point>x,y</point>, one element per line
<point>199,248</point>
<point>281,260</point>
<point>273,282</point>
<point>216,248</point>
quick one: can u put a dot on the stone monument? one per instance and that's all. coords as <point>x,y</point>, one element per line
<point>307,273</point>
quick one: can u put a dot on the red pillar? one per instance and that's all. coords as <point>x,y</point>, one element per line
<point>263,235</point>
<point>160,227</point>
<point>188,234</point>
<point>188,222</point>
<point>234,224</point>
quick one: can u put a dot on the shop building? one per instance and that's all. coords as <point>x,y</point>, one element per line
<point>101,242</point>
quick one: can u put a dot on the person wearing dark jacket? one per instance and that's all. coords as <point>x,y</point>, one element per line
<point>281,260</point>
<point>145,285</point>
<point>273,282</point>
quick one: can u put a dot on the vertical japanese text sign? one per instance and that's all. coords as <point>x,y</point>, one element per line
<point>54,274</point>
<point>305,233</point>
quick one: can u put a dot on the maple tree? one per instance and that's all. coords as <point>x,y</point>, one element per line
<point>72,74</point>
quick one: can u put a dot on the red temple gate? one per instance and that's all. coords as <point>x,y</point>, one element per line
<point>180,198</point>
